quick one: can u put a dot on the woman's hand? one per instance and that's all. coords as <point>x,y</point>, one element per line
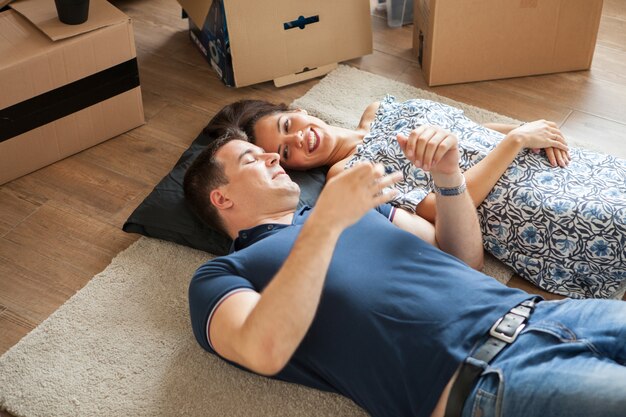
<point>431,148</point>
<point>542,134</point>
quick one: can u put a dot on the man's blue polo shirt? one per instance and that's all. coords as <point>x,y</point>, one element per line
<point>396,317</point>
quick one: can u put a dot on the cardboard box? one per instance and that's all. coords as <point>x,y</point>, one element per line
<point>251,41</point>
<point>63,88</point>
<point>465,40</point>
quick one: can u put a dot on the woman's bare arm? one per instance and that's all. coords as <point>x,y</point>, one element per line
<point>482,177</point>
<point>555,156</point>
<point>503,128</point>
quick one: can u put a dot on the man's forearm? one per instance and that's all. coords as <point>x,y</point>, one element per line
<point>285,311</point>
<point>281,318</point>
<point>456,228</point>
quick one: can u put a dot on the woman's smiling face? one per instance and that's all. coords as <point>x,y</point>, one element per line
<point>302,141</point>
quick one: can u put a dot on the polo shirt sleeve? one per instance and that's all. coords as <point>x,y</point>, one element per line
<point>212,283</point>
<point>387,210</point>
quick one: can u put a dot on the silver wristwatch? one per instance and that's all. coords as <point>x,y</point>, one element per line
<point>451,191</point>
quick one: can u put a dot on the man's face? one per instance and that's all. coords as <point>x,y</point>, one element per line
<point>256,180</point>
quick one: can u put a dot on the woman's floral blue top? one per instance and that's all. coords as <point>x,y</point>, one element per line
<point>563,229</point>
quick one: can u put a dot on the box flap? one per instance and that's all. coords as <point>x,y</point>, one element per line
<point>43,15</point>
<point>196,9</point>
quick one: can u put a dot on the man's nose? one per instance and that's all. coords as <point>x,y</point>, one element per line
<point>272,158</point>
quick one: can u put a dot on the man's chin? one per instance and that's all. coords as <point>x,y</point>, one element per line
<point>290,188</point>
<point>290,184</point>
<point>294,193</point>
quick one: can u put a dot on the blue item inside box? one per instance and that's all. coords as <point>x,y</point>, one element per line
<point>213,41</point>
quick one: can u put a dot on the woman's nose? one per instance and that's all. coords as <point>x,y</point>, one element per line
<point>297,138</point>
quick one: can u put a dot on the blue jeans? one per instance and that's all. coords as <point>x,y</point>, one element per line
<point>569,361</point>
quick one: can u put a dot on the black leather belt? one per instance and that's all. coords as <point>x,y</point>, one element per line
<point>504,332</point>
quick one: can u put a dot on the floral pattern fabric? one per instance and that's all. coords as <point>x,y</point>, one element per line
<point>563,229</point>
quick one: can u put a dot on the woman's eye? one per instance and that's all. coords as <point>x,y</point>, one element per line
<point>285,154</point>
<point>286,125</point>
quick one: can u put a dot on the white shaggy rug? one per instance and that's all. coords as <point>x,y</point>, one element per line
<point>123,345</point>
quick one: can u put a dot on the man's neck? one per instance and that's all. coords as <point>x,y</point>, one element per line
<point>279,218</point>
<point>285,217</point>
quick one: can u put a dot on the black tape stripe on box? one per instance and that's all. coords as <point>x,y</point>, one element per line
<point>68,99</point>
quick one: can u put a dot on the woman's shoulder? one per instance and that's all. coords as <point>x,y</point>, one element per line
<point>388,109</point>
<point>368,116</point>
<point>338,167</point>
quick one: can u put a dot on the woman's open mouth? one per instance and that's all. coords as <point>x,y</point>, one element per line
<point>313,141</point>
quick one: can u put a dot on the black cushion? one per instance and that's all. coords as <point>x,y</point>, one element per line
<point>164,213</point>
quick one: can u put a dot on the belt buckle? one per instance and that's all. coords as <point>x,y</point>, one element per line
<point>503,336</point>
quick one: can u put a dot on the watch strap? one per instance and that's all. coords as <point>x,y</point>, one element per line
<point>451,191</point>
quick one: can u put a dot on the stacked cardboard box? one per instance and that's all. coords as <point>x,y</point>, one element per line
<point>63,88</point>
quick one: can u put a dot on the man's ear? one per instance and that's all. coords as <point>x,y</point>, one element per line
<point>219,199</point>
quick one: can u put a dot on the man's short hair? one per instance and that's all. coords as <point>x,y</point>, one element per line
<point>242,114</point>
<point>206,174</point>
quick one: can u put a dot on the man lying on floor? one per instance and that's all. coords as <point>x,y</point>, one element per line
<point>371,302</point>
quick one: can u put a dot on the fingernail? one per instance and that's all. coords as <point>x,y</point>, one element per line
<point>418,163</point>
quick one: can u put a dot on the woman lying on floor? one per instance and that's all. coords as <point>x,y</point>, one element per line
<point>557,217</point>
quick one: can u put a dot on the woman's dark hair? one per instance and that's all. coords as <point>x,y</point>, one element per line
<point>204,175</point>
<point>241,114</point>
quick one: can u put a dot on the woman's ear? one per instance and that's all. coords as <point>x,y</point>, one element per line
<point>219,199</point>
<point>299,110</point>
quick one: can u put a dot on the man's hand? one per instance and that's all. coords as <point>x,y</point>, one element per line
<point>349,195</point>
<point>542,134</point>
<point>457,232</point>
<point>431,148</point>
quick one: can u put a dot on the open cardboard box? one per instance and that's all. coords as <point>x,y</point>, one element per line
<point>464,40</point>
<point>63,88</point>
<point>250,41</point>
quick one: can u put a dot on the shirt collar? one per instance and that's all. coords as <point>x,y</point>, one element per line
<point>247,237</point>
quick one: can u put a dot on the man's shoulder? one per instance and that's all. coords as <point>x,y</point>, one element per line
<point>215,267</point>
<point>215,277</point>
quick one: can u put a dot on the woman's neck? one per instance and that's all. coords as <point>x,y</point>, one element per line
<point>347,141</point>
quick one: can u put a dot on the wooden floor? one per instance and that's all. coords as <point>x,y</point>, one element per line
<point>61,225</point>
